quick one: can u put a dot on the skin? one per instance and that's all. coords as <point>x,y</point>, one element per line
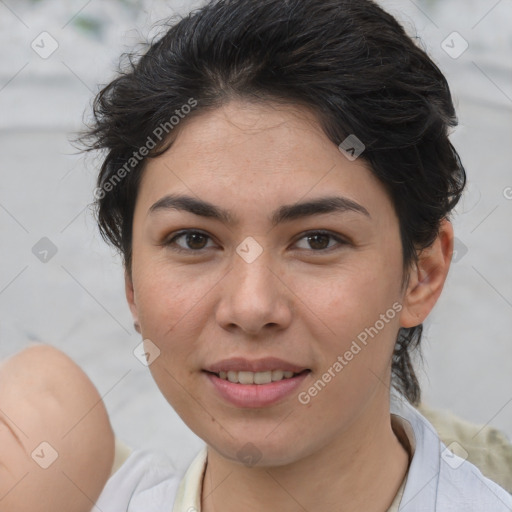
<point>39,387</point>
<point>295,301</point>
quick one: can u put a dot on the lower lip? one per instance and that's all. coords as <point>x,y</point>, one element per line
<point>256,395</point>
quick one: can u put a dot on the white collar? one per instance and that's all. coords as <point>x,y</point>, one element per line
<point>433,482</point>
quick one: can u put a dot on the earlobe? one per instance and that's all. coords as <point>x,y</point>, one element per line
<point>427,278</point>
<point>130,297</point>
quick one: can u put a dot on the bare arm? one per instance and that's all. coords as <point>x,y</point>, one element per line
<point>56,441</point>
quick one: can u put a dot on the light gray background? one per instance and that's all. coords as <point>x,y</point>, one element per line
<point>76,300</point>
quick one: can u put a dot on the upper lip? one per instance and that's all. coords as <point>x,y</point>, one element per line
<point>240,364</point>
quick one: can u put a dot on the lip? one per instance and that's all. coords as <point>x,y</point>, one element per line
<point>240,364</point>
<point>255,395</point>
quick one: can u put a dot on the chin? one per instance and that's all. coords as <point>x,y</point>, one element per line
<point>258,450</point>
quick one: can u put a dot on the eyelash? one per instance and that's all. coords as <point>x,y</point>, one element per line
<point>171,242</point>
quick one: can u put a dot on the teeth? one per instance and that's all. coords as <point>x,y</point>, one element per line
<point>255,377</point>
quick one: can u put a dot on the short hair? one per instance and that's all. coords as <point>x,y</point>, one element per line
<point>348,61</point>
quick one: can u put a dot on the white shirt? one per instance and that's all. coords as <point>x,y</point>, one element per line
<point>437,480</point>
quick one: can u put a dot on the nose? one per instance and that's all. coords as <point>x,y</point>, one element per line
<point>254,298</point>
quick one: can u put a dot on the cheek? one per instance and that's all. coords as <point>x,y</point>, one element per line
<point>349,299</point>
<point>172,309</point>
<point>169,308</point>
<point>354,320</point>
<point>355,327</point>
<point>167,297</point>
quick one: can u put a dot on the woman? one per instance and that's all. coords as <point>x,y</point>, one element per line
<point>278,178</point>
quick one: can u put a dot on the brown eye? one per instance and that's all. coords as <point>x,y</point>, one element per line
<point>193,241</point>
<point>319,240</point>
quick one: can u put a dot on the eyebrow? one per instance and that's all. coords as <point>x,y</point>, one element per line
<point>285,213</point>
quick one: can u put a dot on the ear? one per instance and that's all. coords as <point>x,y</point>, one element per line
<point>130,297</point>
<point>427,278</point>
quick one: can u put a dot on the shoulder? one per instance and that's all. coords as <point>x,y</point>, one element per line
<point>440,480</point>
<point>145,482</point>
<point>486,447</point>
<point>462,486</point>
<point>43,393</point>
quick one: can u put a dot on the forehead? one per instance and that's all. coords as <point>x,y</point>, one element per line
<point>251,155</point>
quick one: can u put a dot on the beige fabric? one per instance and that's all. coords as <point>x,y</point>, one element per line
<point>121,454</point>
<point>188,496</point>
<point>484,446</point>
<point>398,498</point>
<point>405,434</point>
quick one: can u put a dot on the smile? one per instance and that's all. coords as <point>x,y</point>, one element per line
<point>252,395</point>
<point>266,377</point>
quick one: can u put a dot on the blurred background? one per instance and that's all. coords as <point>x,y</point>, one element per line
<point>60,284</point>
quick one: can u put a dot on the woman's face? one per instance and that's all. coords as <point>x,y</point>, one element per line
<point>249,288</point>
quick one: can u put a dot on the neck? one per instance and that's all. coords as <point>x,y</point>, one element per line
<point>361,469</point>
